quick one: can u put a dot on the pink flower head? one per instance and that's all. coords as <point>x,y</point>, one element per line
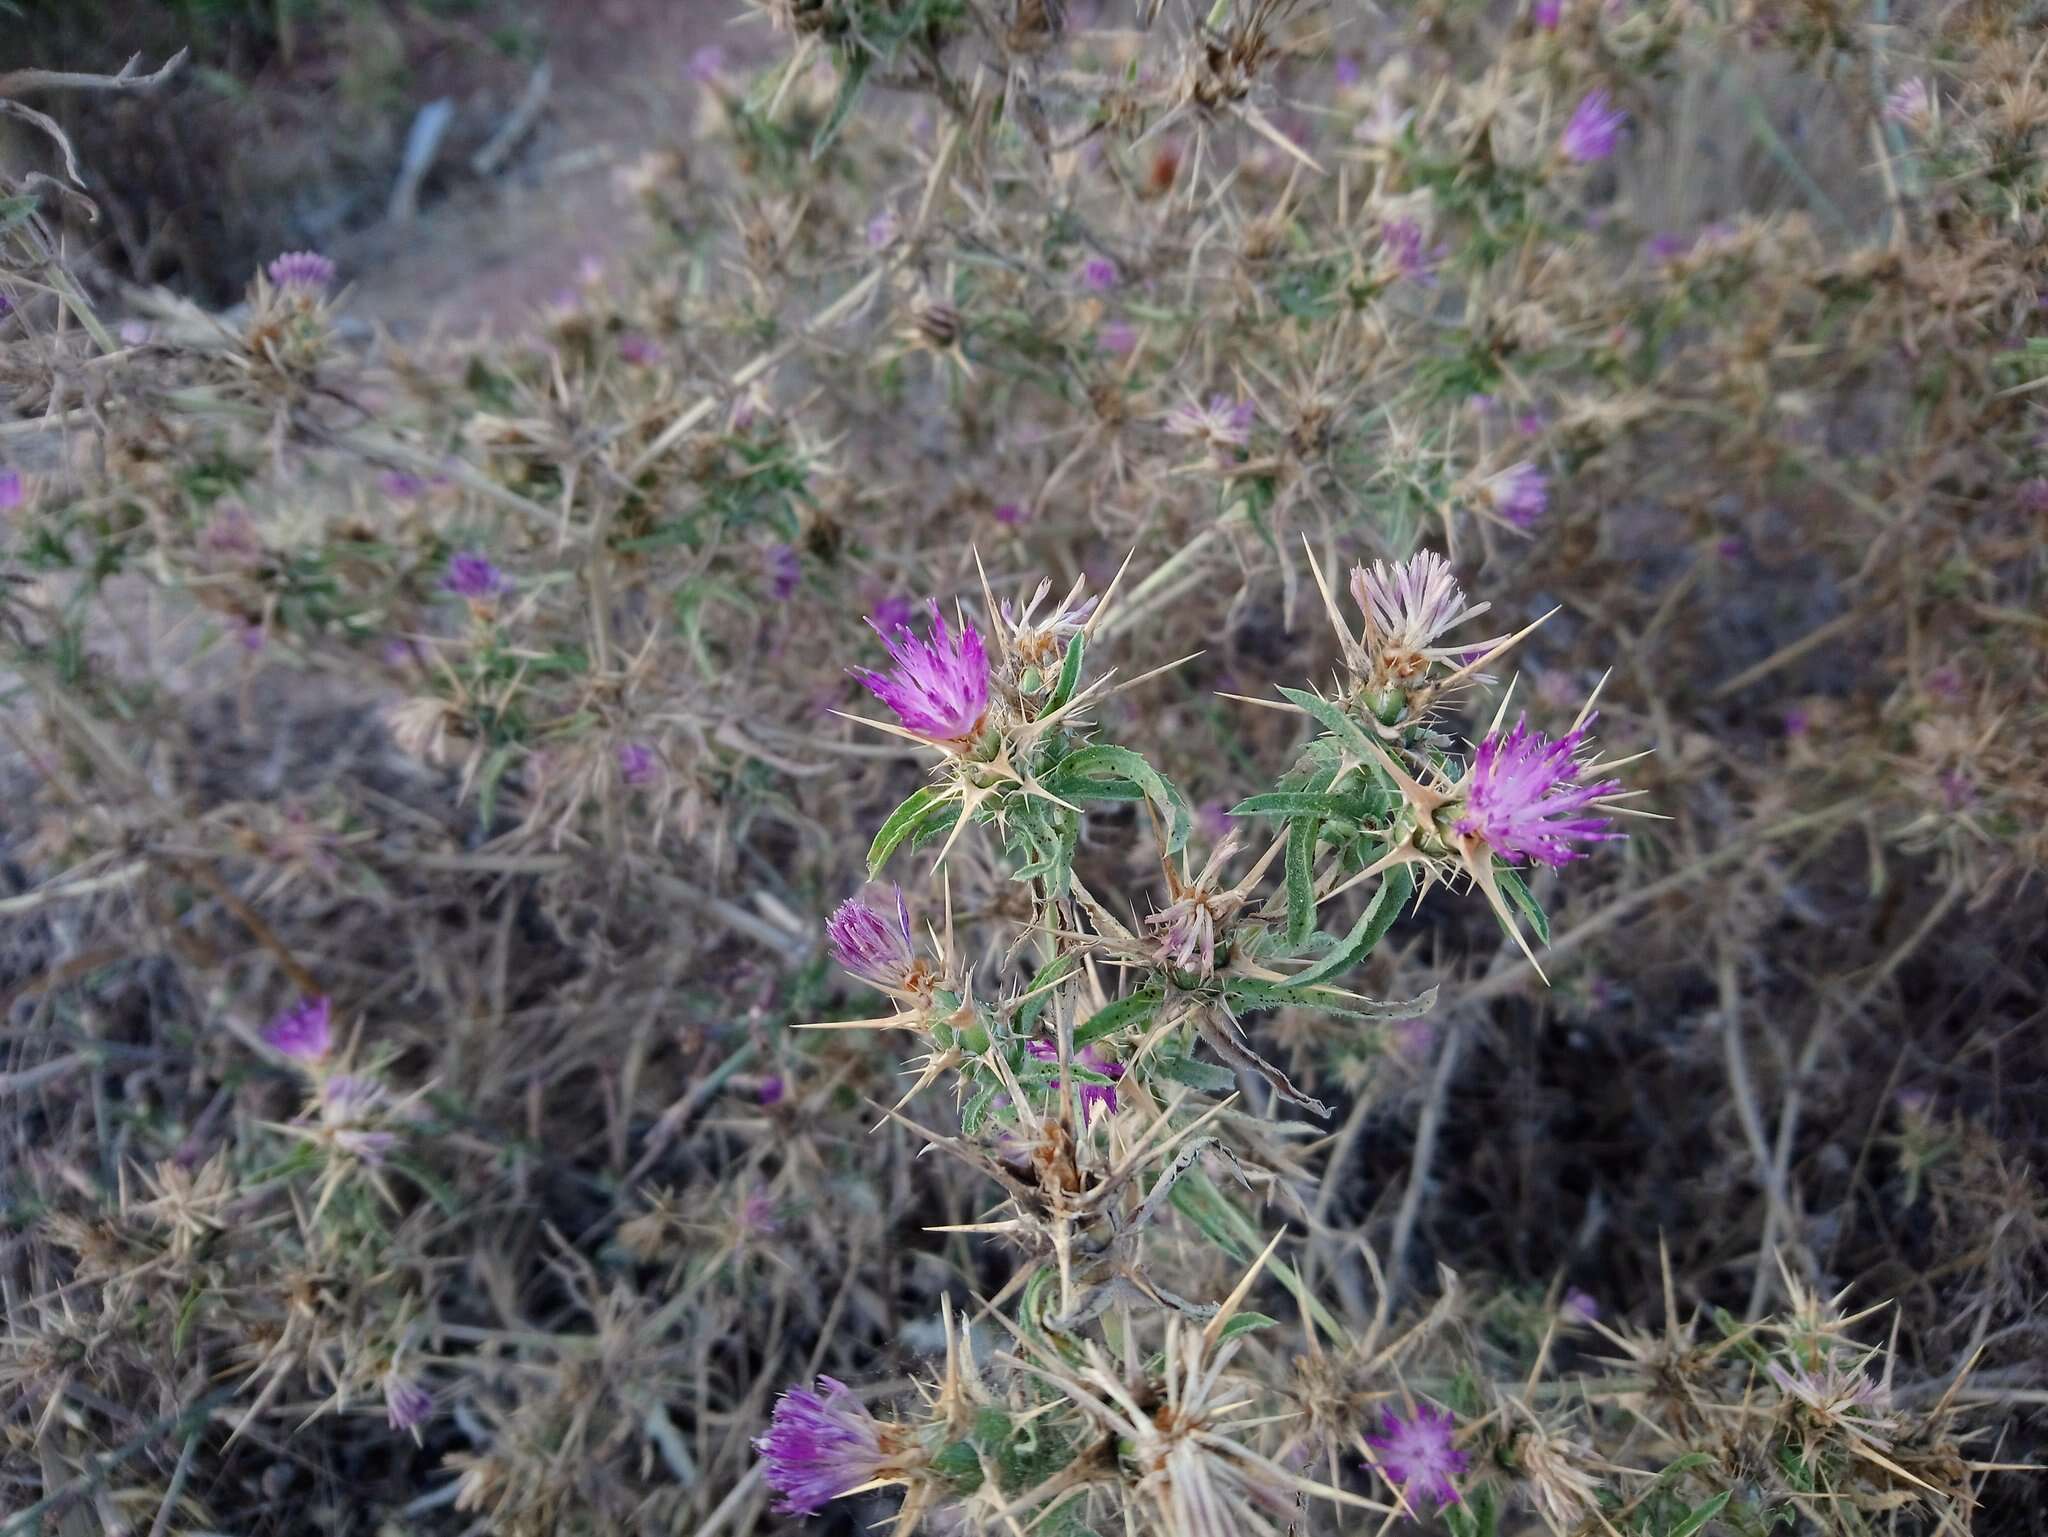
<point>1117,338</point>
<point>772,1089</point>
<point>1911,105</point>
<point>1409,605</point>
<point>406,1403</point>
<point>868,945</point>
<point>939,685</point>
<point>893,613</point>
<point>1416,1455</point>
<point>12,492</point>
<point>639,350</point>
<point>1579,1306</point>
<point>1098,274</point>
<point>785,571</point>
<point>1094,1096</point>
<point>819,1445</point>
<point>882,230</point>
<point>1222,422</point>
<point>472,576</point>
<point>1520,494</point>
<point>1595,126</point>
<point>1547,13</point>
<point>1010,514</point>
<point>707,64</point>
<point>304,1032</point>
<point>306,272</point>
<point>1348,71</point>
<point>1524,800</point>
<point>1407,247</point>
<point>637,764</point>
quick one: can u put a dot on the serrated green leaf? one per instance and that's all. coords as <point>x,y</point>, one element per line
<point>1117,1016</point>
<point>1040,992</point>
<point>1518,893</point>
<point>1340,725</point>
<point>1351,805</point>
<point>1070,674</point>
<point>1081,775</point>
<point>1196,1074</point>
<point>1373,923</point>
<point>900,824</point>
<point>1700,1515</point>
<point>1243,1323</point>
<point>850,86</point>
<point>1301,879</point>
<point>975,1111</point>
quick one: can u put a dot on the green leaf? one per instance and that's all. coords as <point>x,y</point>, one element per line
<point>1351,805</point>
<point>1341,726</point>
<point>902,822</point>
<point>1518,893</point>
<point>1301,879</point>
<point>1117,1016</point>
<point>1700,1515</point>
<point>1196,1074</point>
<point>1249,994</point>
<point>850,86</point>
<point>1070,675</point>
<point>1075,777</point>
<point>1373,923</point>
<point>1040,992</point>
<point>1243,1323</point>
<point>975,1111</point>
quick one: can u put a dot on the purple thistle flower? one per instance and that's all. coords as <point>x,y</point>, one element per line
<point>757,1215</point>
<point>1093,1096</point>
<point>1348,71</point>
<point>1098,274</point>
<point>641,351</point>
<point>1796,722</point>
<point>12,491</point>
<point>707,63</point>
<point>637,765</point>
<point>1222,422</point>
<point>1416,1455</point>
<point>772,1089</point>
<point>401,486</point>
<point>1404,242</point>
<point>878,952</point>
<point>1579,1306</point>
<point>303,1032</point>
<point>1595,126</point>
<point>1117,338</point>
<point>1523,797</point>
<point>1010,514</point>
<point>785,571</point>
<point>6,306</point>
<point>883,229</point>
<point>893,613</point>
<point>1547,13</point>
<point>1520,494</point>
<point>939,685</point>
<point>472,576</point>
<point>1911,104</point>
<point>305,272</point>
<point>406,1403</point>
<point>819,1445</point>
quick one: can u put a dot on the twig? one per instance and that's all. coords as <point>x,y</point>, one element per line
<point>486,161</point>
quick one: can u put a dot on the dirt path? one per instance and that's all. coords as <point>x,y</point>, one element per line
<point>486,254</point>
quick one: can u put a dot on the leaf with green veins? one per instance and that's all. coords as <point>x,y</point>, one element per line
<point>1116,1016</point>
<point>1195,1074</point>
<point>1700,1515</point>
<point>1519,894</point>
<point>1039,993</point>
<point>1373,923</point>
<point>1070,674</point>
<point>1352,805</point>
<point>900,824</point>
<point>975,1111</point>
<point>1301,879</point>
<point>1081,776</point>
<point>1341,726</point>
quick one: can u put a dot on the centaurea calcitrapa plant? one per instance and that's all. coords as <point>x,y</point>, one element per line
<point>428,791</point>
<point>1096,1099</point>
